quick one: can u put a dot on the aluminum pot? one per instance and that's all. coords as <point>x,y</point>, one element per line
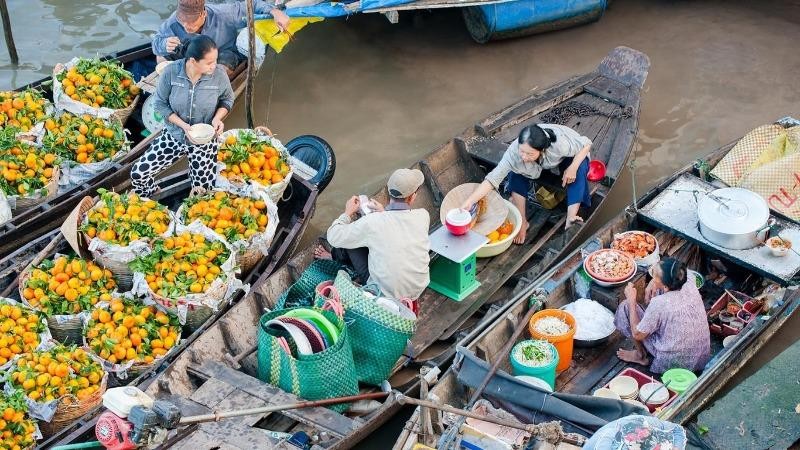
<point>733,218</point>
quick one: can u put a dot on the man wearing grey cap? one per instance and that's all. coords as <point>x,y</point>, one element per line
<point>220,22</point>
<point>395,238</point>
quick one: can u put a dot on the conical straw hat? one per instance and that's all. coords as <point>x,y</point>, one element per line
<point>494,214</point>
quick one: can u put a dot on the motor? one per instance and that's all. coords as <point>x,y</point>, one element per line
<point>143,427</point>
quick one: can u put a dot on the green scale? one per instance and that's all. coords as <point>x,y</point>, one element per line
<point>453,270</point>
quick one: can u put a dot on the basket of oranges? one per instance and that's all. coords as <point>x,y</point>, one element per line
<point>62,288</point>
<point>22,330</point>
<point>130,337</point>
<point>23,109</point>
<point>29,173</point>
<point>87,145</point>
<point>98,88</point>
<point>17,429</point>
<point>62,383</point>
<point>189,273</point>
<point>247,223</point>
<point>252,161</point>
<point>118,228</point>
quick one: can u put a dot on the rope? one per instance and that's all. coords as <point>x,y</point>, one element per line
<point>271,85</point>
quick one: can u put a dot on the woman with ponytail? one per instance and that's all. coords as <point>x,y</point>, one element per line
<point>561,150</point>
<point>673,328</point>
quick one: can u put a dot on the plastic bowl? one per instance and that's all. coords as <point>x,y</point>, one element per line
<point>201,133</point>
<point>597,171</point>
<point>774,246</point>
<point>494,249</point>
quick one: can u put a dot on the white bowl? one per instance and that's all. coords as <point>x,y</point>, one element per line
<point>655,391</point>
<point>624,386</point>
<point>201,133</point>
<point>778,251</point>
<point>606,393</point>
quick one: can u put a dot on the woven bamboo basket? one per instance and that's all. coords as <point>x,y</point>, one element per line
<point>196,314</point>
<point>68,412</point>
<point>25,203</point>
<point>75,107</point>
<point>274,191</point>
<point>248,259</point>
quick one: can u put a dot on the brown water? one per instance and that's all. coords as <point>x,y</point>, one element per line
<point>385,95</point>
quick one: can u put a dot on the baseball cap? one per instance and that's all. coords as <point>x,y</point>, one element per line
<point>404,182</point>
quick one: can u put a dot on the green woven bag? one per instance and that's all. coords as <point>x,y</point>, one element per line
<point>327,374</point>
<point>301,293</point>
<point>379,337</point>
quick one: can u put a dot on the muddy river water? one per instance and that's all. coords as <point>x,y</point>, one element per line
<point>384,95</point>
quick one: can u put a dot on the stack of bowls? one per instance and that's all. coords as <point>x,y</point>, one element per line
<point>653,394</point>
<point>626,387</point>
<point>606,393</point>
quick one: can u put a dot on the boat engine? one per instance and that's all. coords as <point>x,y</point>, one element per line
<point>143,426</point>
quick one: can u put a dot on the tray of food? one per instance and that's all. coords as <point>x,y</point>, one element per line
<point>639,245</point>
<point>609,267</point>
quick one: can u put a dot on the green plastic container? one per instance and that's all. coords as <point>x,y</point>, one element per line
<point>679,379</point>
<point>546,373</point>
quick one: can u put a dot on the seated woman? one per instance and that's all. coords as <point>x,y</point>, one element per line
<point>560,149</point>
<point>673,328</point>
<point>192,90</point>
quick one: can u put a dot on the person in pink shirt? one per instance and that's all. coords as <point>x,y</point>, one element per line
<point>673,328</point>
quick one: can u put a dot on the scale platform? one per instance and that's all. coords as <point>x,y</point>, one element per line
<point>675,210</point>
<point>453,272</point>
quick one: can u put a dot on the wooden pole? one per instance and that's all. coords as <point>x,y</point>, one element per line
<point>12,49</point>
<point>251,64</point>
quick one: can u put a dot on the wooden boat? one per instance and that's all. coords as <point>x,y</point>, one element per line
<point>594,367</point>
<point>517,18</point>
<point>612,89</point>
<point>48,215</point>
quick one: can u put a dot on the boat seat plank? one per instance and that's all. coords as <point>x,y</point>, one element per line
<point>533,105</point>
<point>609,90</point>
<point>487,150</point>
<point>226,435</point>
<point>242,400</point>
<point>321,418</point>
<point>211,393</point>
<point>589,366</point>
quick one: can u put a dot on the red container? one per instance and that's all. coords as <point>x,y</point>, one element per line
<point>597,171</point>
<point>458,222</point>
<point>641,380</point>
<point>722,303</point>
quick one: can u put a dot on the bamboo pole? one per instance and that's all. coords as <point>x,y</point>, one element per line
<point>12,49</point>
<point>251,64</point>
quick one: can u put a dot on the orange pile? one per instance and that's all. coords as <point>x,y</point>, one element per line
<point>502,232</point>
<point>123,218</point>
<point>128,331</point>
<point>84,139</point>
<point>99,83</point>
<point>60,372</point>
<point>24,168</point>
<point>229,215</point>
<point>22,109</point>
<point>248,159</point>
<point>16,431</point>
<point>67,285</point>
<point>19,330</point>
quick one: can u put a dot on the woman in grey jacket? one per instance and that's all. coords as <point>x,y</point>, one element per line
<point>191,90</point>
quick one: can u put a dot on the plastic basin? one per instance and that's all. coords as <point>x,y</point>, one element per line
<point>546,373</point>
<point>563,343</point>
<point>495,248</point>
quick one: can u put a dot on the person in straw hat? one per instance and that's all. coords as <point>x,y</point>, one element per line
<point>561,150</point>
<point>388,247</point>
<point>220,22</point>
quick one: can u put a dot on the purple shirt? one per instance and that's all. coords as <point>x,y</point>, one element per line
<point>677,330</point>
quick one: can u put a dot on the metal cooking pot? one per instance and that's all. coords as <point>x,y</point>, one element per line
<point>733,218</point>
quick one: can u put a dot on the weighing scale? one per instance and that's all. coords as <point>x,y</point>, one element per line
<point>453,271</point>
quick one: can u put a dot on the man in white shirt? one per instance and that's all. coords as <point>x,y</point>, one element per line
<point>395,238</point>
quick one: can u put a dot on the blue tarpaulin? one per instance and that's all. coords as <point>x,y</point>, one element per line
<point>336,9</point>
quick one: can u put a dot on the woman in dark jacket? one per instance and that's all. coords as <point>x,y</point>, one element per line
<point>190,91</point>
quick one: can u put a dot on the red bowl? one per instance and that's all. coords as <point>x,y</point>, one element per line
<point>457,230</point>
<point>597,171</point>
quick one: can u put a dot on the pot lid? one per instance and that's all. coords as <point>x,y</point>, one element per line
<point>733,211</point>
<point>458,217</point>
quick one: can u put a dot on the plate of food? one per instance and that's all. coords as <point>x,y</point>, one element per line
<point>779,246</point>
<point>640,245</point>
<point>609,267</point>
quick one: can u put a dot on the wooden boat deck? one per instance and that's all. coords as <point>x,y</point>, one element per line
<point>593,368</point>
